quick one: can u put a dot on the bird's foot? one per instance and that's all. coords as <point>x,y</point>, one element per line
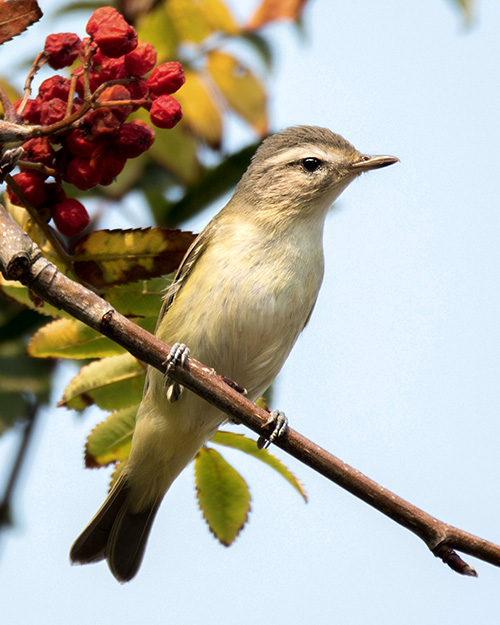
<point>179,353</point>
<point>279,422</point>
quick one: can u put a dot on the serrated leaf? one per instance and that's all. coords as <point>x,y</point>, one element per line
<point>273,10</point>
<point>240,88</point>
<point>69,338</point>
<point>16,16</point>
<point>138,299</point>
<point>106,257</point>
<point>223,495</point>
<point>249,446</point>
<point>110,440</point>
<point>111,383</point>
<point>199,109</point>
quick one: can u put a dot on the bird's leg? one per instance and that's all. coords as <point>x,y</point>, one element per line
<point>279,422</point>
<point>179,353</point>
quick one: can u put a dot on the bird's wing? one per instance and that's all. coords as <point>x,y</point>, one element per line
<point>192,255</point>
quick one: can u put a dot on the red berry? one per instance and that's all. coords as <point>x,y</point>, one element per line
<point>52,111</point>
<point>134,138</point>
<point>39,151</point>
<point>54,87</point>
<point>113,69</point>
<point>111,32</point>
<point>111,164</point>
<point>141,60</point>
<point>32,185</point>
<point>165,112</point>
<point>70,217</point>
<point>31,113</point>
<point>62,49</point>
<point>82,174</point>
<point>117,93</point>
<point>78,144</point>
<point>166,78</point>
<point>100,125</point>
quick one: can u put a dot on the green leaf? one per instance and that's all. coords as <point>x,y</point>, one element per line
<point>111,383</point>
<point>212,185</point>
<point>110,440</point>
<point>249,446</point>
<point>20,377</point>
<point>107,257</point>
<point>69,338</point>
<point>223,495</point>
<point>174,150</point>
<point>138,299</point>
<point>261,46</point>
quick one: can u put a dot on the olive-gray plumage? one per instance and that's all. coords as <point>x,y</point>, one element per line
<point>241,297</point>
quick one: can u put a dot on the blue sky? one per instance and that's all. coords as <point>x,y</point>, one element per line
<point>397,373</point>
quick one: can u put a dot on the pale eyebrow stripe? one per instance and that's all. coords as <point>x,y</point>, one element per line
<point>297,153</point>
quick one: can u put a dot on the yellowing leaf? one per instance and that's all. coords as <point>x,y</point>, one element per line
<point>273,10</point>
<point>157,28</point>
<point>249,446</point>
<point>199,109</point>
<point>12,289</point>
<point>241,89</point>
<point>12,93</point>
<point>110,440</point>
<point>105,257</point>
<point>195,20</point>
<point>223,495</point>
<point>111,383</point>
<point>69,338</point>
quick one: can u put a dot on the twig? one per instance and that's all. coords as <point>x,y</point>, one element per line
<point>21,260</point>
<point>5,504</point>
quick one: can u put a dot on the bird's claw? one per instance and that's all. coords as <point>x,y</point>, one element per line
<point>178,355</point>
<point>279,420</point>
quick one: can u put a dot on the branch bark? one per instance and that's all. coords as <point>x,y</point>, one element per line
<point>21,259</point>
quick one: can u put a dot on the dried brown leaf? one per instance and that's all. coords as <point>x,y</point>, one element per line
<point>16,16</point>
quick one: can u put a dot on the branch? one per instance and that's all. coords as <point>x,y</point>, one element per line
<point>21,259</point>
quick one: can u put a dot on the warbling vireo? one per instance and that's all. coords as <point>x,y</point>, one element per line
<point>241,297</point>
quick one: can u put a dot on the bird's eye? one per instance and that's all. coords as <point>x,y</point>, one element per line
<point>311,164</point>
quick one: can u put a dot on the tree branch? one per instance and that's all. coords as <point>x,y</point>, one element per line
<point>20,259</point>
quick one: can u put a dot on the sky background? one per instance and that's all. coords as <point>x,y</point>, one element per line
<point>397,373</point>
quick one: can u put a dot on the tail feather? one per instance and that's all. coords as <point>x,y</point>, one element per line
<point>127,541</point>
<point>116,533</point>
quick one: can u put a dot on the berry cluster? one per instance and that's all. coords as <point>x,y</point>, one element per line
<point>80,128</point>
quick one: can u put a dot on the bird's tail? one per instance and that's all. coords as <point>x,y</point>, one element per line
<point>116,533</point>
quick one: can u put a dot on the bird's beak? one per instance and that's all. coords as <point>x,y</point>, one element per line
<point>366,163</point>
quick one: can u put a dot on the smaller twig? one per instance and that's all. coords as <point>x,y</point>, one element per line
<point>39,62</point>
<point>5,504</point>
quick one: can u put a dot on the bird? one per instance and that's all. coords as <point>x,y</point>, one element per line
<point>243,293</point>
